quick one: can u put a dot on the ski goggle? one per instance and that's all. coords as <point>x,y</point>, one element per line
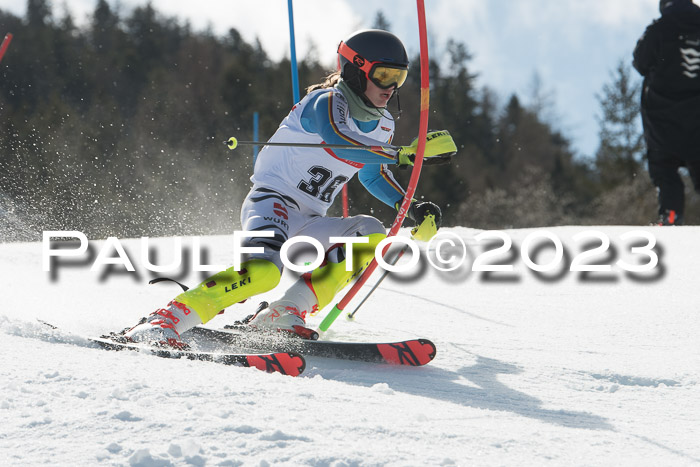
<point>382,74</point>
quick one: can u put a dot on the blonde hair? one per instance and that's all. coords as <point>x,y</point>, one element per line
<point>328,82</point>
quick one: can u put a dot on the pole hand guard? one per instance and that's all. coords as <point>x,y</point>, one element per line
<point>439,149</point>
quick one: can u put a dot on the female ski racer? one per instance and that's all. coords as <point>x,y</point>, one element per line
<point>293,187</point>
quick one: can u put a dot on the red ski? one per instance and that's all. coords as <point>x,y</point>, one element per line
<point>287,363</point>
<point>412,352</point>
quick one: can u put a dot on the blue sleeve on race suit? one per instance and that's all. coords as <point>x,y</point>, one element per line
<point>318,118</point>
<point>380,182</point>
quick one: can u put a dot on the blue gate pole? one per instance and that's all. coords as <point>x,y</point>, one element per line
<point>256,119</point>
<point>293,47</point>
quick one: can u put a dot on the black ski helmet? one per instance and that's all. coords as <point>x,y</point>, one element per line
<point>664,4</point>
<point>369,50</point>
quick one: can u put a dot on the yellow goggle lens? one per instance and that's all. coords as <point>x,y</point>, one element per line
<point>385,77</point>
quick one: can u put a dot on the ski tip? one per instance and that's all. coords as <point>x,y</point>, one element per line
<point>107,343</point>
<point>287,363</point>
<point>417,352</point>
<point>41,321</point>
<point>429,349</point>
<point>296,363</point>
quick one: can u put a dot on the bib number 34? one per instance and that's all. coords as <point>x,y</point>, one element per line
<point>322,185</point>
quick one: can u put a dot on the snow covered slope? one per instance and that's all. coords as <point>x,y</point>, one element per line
<point>557,368</point>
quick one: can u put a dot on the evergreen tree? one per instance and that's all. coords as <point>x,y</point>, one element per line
<point>38,13</point>
<point>104,25</point>
<point>620,154</point>
<point>380,22</point>
<point>115,128</point>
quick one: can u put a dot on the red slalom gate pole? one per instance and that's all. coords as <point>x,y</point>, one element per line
<point>415,174</point>
<point>5,45</point>
<point>345,201</point>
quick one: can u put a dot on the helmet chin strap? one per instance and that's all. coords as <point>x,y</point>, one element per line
<point>366,100</point>
<point>357,83</point>
<point>391,115</point>
<point>398,104</point>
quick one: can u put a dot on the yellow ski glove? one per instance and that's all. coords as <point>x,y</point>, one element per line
<point>427,217</point>
<point>439,149</point>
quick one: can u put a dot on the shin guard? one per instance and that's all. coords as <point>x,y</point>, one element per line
<point>228,287</point>
<point>332,276</point>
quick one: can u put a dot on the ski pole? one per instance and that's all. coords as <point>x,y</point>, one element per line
<point>233,143</point>
<point>415,234</point>
<point>386,273</point>
<point>5,45</point>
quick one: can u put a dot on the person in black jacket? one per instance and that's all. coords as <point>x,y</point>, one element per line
<point>668,56</point>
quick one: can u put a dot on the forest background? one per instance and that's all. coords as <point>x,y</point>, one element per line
<point>116,128</point>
